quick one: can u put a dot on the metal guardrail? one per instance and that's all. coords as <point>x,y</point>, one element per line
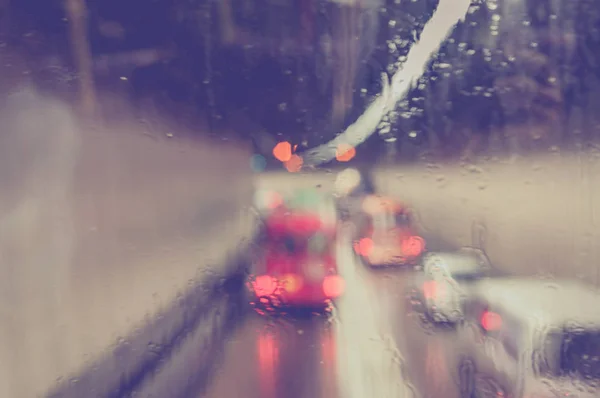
<point>138,358</point>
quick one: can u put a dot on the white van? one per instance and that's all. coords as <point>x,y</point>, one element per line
<point>528,338</point>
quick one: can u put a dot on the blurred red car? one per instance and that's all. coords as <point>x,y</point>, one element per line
<point>296,265</point>
<point>385,234</point>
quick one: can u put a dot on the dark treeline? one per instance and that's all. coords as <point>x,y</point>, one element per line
<point>513,77</point>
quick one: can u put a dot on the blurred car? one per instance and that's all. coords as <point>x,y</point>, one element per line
<point>385,235</point>
<point>351,186</point>
<point>445,281</point>
<point>296,262</point>
<point>528,338</point>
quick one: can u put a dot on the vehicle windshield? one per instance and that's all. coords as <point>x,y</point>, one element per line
<point>165,163</point>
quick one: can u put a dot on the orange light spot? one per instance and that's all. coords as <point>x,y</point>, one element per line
<point>294,164</point>
<point>283,151</point>
<point>345,153</point>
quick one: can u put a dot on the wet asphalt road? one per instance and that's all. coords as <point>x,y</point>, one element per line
<point>373,344</point>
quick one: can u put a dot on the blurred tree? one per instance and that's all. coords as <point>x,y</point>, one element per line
<point>77,13</point>
<point>507,74</point>
<point>228,28</point>
<point>4,18</point>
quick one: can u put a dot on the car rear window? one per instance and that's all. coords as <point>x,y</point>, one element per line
<point>387,221</point>
<point>477,275</point>
<point>316,244</point>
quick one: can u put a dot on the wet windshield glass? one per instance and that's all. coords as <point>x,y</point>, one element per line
<point>167,166</point>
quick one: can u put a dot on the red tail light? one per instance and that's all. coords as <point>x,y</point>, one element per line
<point>264,285</point>
<point>333,286</point>
<point>413,246</point>
<point>491,321</point>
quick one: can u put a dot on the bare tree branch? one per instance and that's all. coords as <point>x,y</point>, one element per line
<point>77,12</point>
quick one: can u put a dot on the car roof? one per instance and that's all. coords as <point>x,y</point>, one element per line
<point>552,302</point>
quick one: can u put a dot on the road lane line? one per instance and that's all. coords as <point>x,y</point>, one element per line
<point>368,360</point>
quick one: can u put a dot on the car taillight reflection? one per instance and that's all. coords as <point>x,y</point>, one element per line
<point>328,347</point>
<point>264,285</point>
<point>333,286</point>
<point>267,351</point>
<point>268,356</point>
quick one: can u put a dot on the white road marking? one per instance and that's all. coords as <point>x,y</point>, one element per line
<point>368,360</point>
